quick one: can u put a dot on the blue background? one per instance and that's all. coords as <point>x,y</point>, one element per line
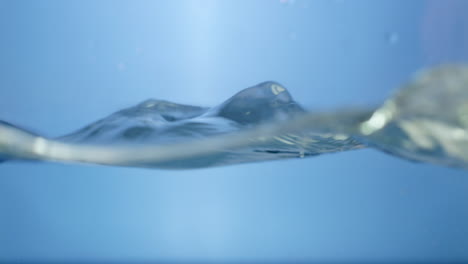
<point>64,64</point>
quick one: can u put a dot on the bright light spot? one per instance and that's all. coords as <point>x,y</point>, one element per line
<point>376,122</point>
<point>340,137</point>
<point>379,119</point>
<point>40,146</point>
<point>276,89</point>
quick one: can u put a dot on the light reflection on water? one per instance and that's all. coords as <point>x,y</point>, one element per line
<point>425,121</point>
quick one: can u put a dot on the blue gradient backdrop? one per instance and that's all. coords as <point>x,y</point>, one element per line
<point>64,64</point>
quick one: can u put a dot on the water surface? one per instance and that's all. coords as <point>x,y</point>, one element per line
<point>426,120</point>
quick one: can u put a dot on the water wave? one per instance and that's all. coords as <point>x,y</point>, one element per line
<point>426,120</point>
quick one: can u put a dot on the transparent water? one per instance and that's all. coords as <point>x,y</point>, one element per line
<point>426,121</point>
<point>272,186</point>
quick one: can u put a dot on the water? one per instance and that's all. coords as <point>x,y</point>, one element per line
<point>427,121</point>
<point>203,185</point>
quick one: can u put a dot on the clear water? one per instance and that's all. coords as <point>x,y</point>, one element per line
<point>351,67</point>
<point>427,120</point>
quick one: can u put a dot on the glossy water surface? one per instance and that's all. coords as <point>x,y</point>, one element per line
<point>427,120</point>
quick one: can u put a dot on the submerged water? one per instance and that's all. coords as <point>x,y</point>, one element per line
<point>426,120</point>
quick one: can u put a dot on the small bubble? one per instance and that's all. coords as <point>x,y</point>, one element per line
<point>290,2</point>
<point>393,38</point>
<point>121,66</point>
<point>92,59</point>
<point>91,44</point>
<point>138,50</point>
<point>292,36</point>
